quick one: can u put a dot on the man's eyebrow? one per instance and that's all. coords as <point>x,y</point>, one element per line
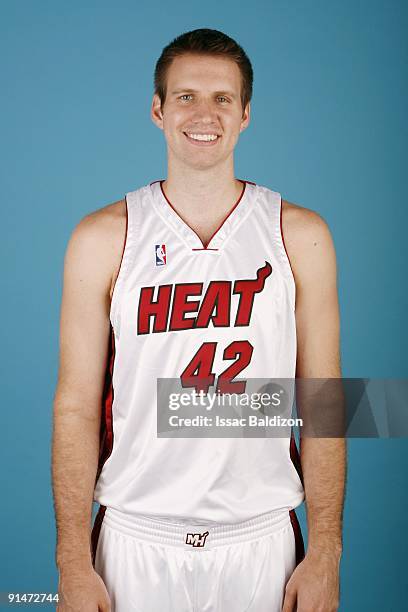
<point>231,94</point>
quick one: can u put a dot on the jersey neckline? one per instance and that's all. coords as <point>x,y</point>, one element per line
<point>189,236</point>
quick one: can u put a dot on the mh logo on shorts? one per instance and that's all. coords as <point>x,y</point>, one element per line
<point>196,539</point>
<point>160,250</point>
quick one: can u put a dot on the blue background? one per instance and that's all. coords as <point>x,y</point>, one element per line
<point>329,131</point>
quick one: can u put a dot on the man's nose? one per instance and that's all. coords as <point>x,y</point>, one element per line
<point>205,110</point>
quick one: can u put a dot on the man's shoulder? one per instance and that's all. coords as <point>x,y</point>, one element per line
<point>97,241</point>
<point>102,226</point>
<point>302,226</point>
<point>307,237</point>
<point>102,219</point>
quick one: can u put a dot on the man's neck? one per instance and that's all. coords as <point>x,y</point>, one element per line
<point>203,198</point>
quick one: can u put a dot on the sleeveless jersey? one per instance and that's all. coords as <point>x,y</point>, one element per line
<point>172,295</point>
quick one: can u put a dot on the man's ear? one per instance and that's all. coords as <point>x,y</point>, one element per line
<point>245,117</point>
<point>156,114</point>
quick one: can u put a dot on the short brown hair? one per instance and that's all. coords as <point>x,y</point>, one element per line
<point>204,41</point>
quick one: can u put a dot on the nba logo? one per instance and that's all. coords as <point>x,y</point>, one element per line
<point>160,254</point>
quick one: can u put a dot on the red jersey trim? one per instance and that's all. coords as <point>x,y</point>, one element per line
<point>96,529</point>
<point>106,428</point>
<point>297,532</point>
<point>295,457</point>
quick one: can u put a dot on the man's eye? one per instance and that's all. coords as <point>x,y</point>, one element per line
<point>185,97</point>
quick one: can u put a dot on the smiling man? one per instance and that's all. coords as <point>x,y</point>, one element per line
<point>191,278</point>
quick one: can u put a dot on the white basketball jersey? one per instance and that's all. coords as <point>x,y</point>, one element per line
<point>176,306</point>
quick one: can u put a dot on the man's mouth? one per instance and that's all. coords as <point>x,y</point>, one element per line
<point>202,139</point>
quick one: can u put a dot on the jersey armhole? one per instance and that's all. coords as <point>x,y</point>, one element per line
<point>284,253</point>
<point>283,237</point>
<point>123,269</point>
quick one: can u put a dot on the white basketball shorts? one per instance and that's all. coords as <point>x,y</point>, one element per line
<point>154,566</point>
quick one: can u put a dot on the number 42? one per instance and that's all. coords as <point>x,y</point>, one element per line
<point>199,373</point>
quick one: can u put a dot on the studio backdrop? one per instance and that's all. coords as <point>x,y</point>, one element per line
<point>328,131</point>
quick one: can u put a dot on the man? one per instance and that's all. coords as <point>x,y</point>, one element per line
<point>189,278</point>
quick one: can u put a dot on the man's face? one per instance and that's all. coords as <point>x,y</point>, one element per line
<point>202,101</point>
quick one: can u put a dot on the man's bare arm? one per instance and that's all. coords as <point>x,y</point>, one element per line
<point>312,255</point>
<point>91,261</point>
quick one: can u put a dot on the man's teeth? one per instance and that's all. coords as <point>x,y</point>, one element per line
<point>202,136</point>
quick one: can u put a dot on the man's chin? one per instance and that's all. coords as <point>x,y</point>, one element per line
<point>199,162</point>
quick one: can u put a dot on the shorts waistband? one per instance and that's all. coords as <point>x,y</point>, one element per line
<point>196,536</point>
